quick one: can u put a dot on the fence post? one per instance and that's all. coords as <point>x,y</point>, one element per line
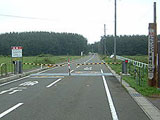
<point>129,68</point>
<point>139,76</point>
<point>121,78</point>
<point>3,68</point>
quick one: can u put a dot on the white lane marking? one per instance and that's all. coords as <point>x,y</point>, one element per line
<point>24,77</point>
<point>111,105</point>
<point>14,91</point>
<point>78,66</point>
<point>29,83</point>
<point>9,90</point>
<point>10,110</point>
<point>54,82</point>
<point>13,81</point>
<point>17,90</point>
<point>88,68</point>
<point>89,59</point>
<point>72,71</point>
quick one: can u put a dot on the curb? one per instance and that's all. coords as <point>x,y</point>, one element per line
<point>150,110</point>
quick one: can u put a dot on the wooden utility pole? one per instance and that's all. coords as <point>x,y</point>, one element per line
<point>104,39</point>
<point>159,63</point>
<point>115,31</point>
<point>152,53</point>
<point>155,49</point>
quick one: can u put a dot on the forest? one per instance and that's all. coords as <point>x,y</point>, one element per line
<point>126,45</point>
<point>36,43</point>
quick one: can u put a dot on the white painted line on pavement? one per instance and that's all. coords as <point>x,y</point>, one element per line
<point>111,105</point>
<point>23,78</point>
<point>72,71</point>
<point>14,81</point>
<point>10,110</point>
<point>54,82</point>
<point>9,90</point>
<point>78,66</point>
<point>47,70</point>
<point>89,59</point>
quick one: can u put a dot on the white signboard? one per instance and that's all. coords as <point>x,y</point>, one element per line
<point>151,51</point>
<point>17,51</point>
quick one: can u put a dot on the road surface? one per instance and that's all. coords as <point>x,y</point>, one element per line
<point>90,93</point>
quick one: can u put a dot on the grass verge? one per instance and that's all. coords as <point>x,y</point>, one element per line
<point>140,85</point>
<point>45,59</point>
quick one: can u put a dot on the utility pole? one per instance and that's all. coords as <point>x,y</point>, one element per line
<point>104,39</point>
<point>158,62</point>
<point>115,30</point>
<point>153,52</point>
<point>104,29</point>
<point>156,48</point>
<point>157,51</point>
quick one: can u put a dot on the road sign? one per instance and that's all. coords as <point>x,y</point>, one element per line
<point>151,38</point>
<point>16,51</point>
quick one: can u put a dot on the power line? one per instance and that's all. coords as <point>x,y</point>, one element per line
<point>23,17</point>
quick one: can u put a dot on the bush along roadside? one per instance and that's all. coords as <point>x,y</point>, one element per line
<point>137,78</point>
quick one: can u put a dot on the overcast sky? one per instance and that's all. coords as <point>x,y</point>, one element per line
<point>86,17</point>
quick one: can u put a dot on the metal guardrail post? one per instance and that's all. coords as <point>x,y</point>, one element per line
<point>136,77</point>
<point>6,73</point>
<point>3,68</point>
<point>139,70</point>
<point>139,76</point>
<point>129,69</point>
<point>121,78</point>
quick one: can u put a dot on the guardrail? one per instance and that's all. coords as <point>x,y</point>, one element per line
<point>3,68</point>
<point>137,69</point>
<point>134,62</point>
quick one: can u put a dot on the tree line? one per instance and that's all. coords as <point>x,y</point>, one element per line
<point>126,45</point>
<point>36,43</point>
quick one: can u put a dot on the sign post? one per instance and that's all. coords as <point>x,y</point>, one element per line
<point>69,67</point>
<point>17,63</point>
<point>16,52</point>
<point>151,50</point>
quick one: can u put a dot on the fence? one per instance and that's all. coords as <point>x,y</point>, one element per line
<point>136,69</point>
<point>3,68</point>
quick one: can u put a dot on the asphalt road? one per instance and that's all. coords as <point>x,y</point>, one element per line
<point>90,93</point>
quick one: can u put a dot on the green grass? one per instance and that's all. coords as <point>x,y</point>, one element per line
<point>48,59</point>
<point>142,88</point>
<point>139,58</point>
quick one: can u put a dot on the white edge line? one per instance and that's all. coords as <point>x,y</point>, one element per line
<point>53,83</point>
<point>10,110</point>
<point>111,105</point>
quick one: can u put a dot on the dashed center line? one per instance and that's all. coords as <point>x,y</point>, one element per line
<point>10,110</point>
<point>54,83</point>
